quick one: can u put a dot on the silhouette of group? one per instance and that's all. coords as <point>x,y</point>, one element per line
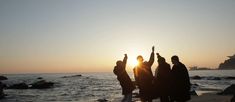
<point>168,84</point>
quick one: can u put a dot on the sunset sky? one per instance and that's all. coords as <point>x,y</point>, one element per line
<point>56,36</point>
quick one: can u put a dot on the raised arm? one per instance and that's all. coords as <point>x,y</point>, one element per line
<point>151,59</point>
<point>124,61</point>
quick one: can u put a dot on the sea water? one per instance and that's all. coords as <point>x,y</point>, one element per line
<point>92,86</point>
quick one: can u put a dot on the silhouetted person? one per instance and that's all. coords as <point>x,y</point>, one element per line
<point>180,81</point>
<point>144,77</point>
<point>162,79</point>
<point>124,79</point>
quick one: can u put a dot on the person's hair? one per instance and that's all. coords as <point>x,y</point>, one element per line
<point>138,57</point>
<point>175,58</point>
<point>119,62</point>
<point>161,60</point>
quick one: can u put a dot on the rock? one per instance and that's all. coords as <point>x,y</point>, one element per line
<point>3,78</point>
<point>2,95</point>
<point>213,78</point>
<point>79,75</point>
<point>39,78</point>
<point>229,90</point>
<point>196,77</point>
<point>42,85</point>
<point>19,86</point>
<point>230,78</point>
<point>193,93</point>
<point>233,99</point>
<point>102,100</point>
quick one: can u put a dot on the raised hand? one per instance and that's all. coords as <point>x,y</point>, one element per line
<point>125,55</point>
<point>153,49</point>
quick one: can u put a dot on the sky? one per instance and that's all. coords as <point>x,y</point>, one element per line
<point>70,36</point>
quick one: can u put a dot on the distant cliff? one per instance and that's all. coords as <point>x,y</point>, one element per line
<point>228,64</point>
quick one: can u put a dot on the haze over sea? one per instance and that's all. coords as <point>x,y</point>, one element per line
<point>92,86</point>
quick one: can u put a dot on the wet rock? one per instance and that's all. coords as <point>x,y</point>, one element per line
<point>233,98</point>
<point>102,100</point>
<point>42,85</point>
<point>193,93</point>
<point>2,95</point>
<point>19,86</point>
<point>39,78</point>
<point>213,78</point>
<point>196,77</point>
<point>3,78</point>
<point>230,78</point>
<point>229,90</point>
<point>79,75</point>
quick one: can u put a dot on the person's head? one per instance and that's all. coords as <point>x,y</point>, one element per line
<point>160,59</point>
<point>119,63</point>
<point>140,59</point>
<point>175,59</point>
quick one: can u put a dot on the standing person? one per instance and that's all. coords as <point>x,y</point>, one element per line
<point>180,81</point>
<point>124,79</point>
<point>144,77</point>
<point>162,79</point>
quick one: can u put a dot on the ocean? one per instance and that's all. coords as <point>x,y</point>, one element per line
<point>93,86</point>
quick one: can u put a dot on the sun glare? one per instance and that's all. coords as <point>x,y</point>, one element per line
<point>134,63</point>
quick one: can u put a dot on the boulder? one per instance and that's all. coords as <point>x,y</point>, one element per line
<point>213,78</point>
<point>78,75</point>
<point>3,78</point>
<point>42,85</point>
<point>229,90</point>
<point>233,99</point>
<point>19,86</point>
<point>102,100</point>
<point>196,77</point>
<point>2,95</point>
<point>193,93</point>
<point>39,78</point>
<point>230,78</point>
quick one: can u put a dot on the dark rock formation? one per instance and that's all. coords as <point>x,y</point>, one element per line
<point>39,78</point>
<point>229,90</point>
<point>193,93</point>
<point>196,77</point>
<point>19,86</point>
<point>42,85</point>
<point>228,64</point>
<point>233,99</point>
<point>3,78</point>
<point>229,78</point>
<point>102,100</point>
<point>2,95</point>
<point>79,75</point>
<point>213,78</point>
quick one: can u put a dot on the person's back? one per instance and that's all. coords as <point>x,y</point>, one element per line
<point>180,81</point>
<point>162,80</point>
<point>144,77</point>
<point>124,79</point>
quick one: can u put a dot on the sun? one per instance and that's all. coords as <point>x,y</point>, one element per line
<point>134,63</point>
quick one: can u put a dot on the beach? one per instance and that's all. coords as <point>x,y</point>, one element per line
<point>209,97</point>
<point>91,87</point>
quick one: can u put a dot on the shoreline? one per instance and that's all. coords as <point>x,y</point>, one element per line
<point>206,97</point>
